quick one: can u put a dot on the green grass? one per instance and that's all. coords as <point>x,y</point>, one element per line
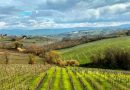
<point>83,52</point>
<point>47,79</point>
<point>36,81</point>
<point>65,80</point>
<point>85,82</point>
<point>34,77</point>
<point>56,83</point>
<point>76,82</point>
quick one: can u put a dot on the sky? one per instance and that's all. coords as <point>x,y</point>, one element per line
<point>46,14</point>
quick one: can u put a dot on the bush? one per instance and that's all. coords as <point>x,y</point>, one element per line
<point>31,59</point>
<point>61,63</point>
<point>67,63</point>
<point>6,57</point>
<point>112,58</point>
<point>37,50</point>
<point>17,44</point>
<point>72,63</point>
<point>52,57</point>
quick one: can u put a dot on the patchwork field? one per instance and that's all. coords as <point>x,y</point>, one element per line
<point>83,52</point>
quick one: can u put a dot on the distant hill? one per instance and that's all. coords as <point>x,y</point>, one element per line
<point>41,32</point>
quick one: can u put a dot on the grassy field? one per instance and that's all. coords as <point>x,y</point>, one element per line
<point>20,58</point>
<point>40,77</point>
<point>17,57</point>
<point>30,41</point>
<point>83,52</point>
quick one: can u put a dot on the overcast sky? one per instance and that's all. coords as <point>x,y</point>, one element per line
<point>35,14</point>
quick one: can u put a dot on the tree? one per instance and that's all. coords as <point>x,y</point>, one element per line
<point>31,59</point>
<point>52,56</point>
<point>17,44</point>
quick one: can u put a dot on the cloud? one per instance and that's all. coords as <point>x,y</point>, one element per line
<point>2,24</point>
<point>8,10</point>
<point>57,1</point>
<point>63,13</point>
<point>109,12</point>
<point>33,24</point>
<point>59,5</point>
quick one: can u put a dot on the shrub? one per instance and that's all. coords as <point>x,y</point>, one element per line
<point>72,63</point>
<point>17,44</point>
<point>67,63</point>
<point>61,63</point>
<point>31,59</point>
<point>52,56</point>
<point>96,58</point>
<point>112,58</point>
<point>34,50</point>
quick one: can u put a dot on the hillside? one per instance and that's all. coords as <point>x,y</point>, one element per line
<point>83,52</point>
<point>17,57</point>
<point>29,40</point>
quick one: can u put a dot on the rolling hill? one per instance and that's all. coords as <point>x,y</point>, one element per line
<point>60,31</point>
<point>83,52</point>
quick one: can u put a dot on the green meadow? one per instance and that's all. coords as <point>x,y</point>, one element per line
<point>83,52</point>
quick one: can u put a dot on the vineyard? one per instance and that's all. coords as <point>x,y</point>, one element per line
<point>41,77</point>
<point>83,52</point>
